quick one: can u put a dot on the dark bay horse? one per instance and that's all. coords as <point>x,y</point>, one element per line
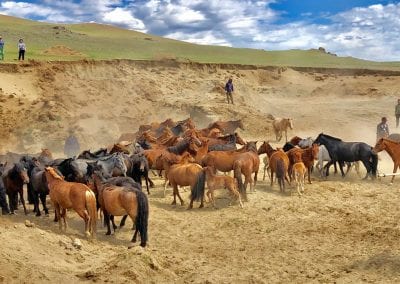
<point>341,151</point>
<point>40,189</point>
<point>227,127</point>
<point>14,181</point>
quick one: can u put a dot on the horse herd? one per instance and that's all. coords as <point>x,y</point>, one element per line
<point>110,180</point>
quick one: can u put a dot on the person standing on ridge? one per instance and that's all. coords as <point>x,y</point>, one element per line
<point>229,90</point>
<point>21,49</point>
<point>1,48</point>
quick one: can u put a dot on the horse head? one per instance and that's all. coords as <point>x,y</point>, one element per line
<point>240,124</point>
<point>239,139</point>
<point>379,146</point>
<point>52,172</point>
<point>290,123</point>
<point>251,146</point>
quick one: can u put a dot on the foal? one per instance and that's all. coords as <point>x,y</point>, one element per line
<point>214,182</point>
<point>299,171</point>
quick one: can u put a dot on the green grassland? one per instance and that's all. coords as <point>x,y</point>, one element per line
<point>97,42</point>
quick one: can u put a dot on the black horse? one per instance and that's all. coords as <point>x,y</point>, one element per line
<point>139,168</point>
<point>40,189</point>
<point>230,144</point>
<point>93,156</point>
<point>3,199</point>
<point>341,152</point>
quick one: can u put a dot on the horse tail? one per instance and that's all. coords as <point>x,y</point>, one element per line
<point>198,187</point>
<point>280,173</point>
<point>142,217</point>
<point>91,207</point>
<point>237,173</point>
<point>374,164</point>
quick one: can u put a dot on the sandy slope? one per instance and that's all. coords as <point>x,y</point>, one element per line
<point>343,230</point>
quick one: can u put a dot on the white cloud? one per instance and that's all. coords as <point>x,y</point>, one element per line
<point>200,38</point>
<point>119,16</point>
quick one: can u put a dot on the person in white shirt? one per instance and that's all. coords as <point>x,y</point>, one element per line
<point>21,49</point>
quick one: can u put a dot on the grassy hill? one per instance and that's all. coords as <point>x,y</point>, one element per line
<point>49,41</point>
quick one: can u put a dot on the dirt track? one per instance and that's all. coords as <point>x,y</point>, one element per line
<point>343,230</point>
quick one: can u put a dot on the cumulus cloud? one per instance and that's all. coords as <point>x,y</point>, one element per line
<point>365,32</point>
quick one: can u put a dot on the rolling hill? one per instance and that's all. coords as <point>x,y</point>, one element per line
<point>66,42</point>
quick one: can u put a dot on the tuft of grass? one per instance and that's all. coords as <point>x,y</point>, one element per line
<point>97,41</point>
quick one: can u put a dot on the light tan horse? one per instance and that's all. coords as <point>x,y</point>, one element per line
<point>281,125</point>
<point>299,171</point>
<point>213,182</point>
<point>66,195</point>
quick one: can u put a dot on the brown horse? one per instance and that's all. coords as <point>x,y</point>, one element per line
<point>66,195</point>
<point>279,164</point>
<point>307,156</point>
<point>227,127</point>
<point>123,200</point>
<point>266,148</point>
<point>281,125</point>
<point>213,182</point>
<point>295,140</point>
<point>14,181</point>
<point>393,149</point>
<point>183,175</point>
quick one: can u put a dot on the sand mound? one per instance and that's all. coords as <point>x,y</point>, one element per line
<point>62,50</point>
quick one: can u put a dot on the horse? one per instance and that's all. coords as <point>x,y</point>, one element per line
<point>306,142</point>
<point>3,199</point>
<point>279,164</point>
<point>183,175</point>
<point>340,151</point>
<point>281,125</point>
<point>225,143</point>
<point>266,148</point>
<point>74,170</point>
<point>307,156</point>
<point>14,181</point>
<point>93,156</point>
<point>213,182</point>
<point>227,127</point>
<point>392,148</point>
<point>113,165</point>
<point>323,156</point>
<point>121,201</point>
<point>40,189</point>
<point>298,175</point>
<point>66,195</point>
<point>139,168</point>
<point>295,140</point>
<point>45,157</point>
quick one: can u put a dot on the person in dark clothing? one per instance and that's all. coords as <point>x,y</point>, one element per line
<point>71,147</point>
<point>1,48</point>
<point>3,199</point>
<point>229,90</point>
<point>397,112</point>
<point>21,49</point>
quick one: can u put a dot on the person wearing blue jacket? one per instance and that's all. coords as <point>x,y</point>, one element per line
<point>229,90</point>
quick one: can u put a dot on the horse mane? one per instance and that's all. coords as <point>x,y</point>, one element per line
<point>180,147</point>
<point>330,137</point>
<point>53,173</point>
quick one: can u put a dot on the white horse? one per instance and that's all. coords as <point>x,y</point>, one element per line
<point>306,142</point>
<point>281,125</point>
<point>323,156</point>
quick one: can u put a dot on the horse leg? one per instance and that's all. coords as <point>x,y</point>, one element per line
<point>86,218</point>
<point>122,223</point>
<point>36,208</point>
<point>150,181</point>
<point>394,171</point>
<point>43,199</point>
<point>113,222</point>
<point>107,221</point>
<point>58,215</point>
<point>165,186</point>
<point>174,191</point>
<point>367,166</point>
<point>309,175</point>
<point>255,181</point>
<point>21,195</point>
<point>64,216</point>
<point>213,199</point>
<point>146,179</point>
<point>327,167</point>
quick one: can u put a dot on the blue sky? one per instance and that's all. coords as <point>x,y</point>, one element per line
<point>361,28</point>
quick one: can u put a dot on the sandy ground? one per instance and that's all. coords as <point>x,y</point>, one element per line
<point>341,230</point>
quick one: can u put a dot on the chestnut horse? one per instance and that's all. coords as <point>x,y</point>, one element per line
<point>213,182</point>
<point>66,195</point>
<point>227,127</point>
<point>14,181</point>
<point>298,175</point>
<point>307,156</point>
<point>392,148</point>
<point>281,125</point>
<point>279,164</point>
<point>183,175</point>
<point>123,200</point>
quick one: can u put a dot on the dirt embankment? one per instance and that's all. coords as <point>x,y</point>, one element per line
<point>39,102</point>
